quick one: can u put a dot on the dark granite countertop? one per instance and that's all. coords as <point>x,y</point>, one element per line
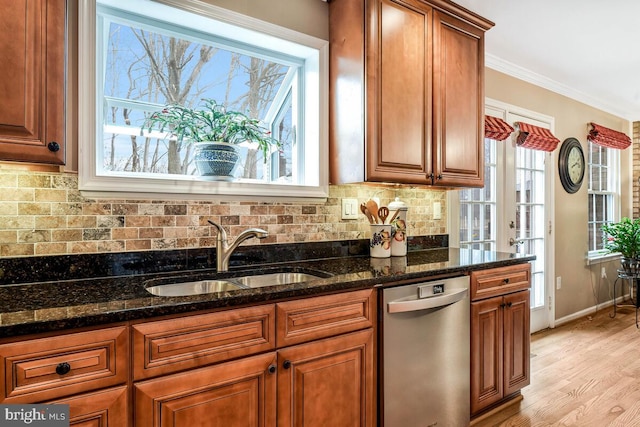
<point>52,305</point>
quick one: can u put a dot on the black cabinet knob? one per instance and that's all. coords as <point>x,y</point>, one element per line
<point>286,364</point>
<point>506,280</point>
<point>53,146</point>
<point>272,369</point>
<point>63,368</point>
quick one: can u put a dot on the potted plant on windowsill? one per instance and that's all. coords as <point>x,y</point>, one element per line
<point>624,237</point>
<point>215,132</point>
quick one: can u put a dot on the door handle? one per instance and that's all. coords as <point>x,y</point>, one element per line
<point>413,304</point>
<point>513,242</point>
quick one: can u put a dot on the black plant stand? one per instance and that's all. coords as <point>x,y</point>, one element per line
<point>632,279</point>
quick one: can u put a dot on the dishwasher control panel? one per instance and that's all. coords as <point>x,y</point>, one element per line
<point>430,290</point>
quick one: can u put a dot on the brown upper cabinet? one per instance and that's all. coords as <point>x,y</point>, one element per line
<point>32,46</point>
<point>406,93</point>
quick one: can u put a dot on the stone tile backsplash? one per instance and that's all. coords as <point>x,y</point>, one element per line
<point>43,213</point>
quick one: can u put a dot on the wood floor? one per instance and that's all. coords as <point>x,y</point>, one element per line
<point>584,373</point>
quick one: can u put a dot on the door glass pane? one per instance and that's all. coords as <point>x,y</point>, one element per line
<point>464,221</point>
<point>478,207</point>
<point>537,290</point>
<point>530,218</point>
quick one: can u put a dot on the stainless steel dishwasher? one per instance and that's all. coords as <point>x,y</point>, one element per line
<point>425,354</point>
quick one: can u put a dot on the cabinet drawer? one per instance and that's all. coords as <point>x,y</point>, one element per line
<point>49,368</point>
<point>174,345</point>
<point>320,317</point>
<point>500,281</point>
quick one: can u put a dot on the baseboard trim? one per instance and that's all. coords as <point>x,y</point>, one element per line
<point>588,311</point>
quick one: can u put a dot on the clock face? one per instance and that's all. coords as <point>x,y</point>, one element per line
<point>571,165</point>
<point>576,165</point>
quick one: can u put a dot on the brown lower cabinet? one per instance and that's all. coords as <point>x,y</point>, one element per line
<point>105,408</point>
<point>303,362</point>
<point>500,336</point>
<point>86,370</point>
<point>327,382</point>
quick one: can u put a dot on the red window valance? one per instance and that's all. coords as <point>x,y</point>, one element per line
<point>496,128</point>
<point>608,137</point>
<point>535,137</point>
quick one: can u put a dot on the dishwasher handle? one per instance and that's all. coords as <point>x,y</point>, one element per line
<point>415,304</point>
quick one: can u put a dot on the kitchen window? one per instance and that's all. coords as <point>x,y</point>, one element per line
<point>137,56</point>
<point>603,171</point>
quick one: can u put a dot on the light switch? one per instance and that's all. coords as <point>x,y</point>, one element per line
<point>350,209</point>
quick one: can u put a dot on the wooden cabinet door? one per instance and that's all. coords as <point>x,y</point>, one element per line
<point>487,381</point>
<point>399,91</point>
<point>516,341</point>
<point>458,102</point>
<point>241,393</point>
<point>32,46</point>
<point>106,408</point>
<point>328,382</point>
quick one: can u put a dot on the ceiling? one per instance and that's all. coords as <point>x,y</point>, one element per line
<point>588,50</point>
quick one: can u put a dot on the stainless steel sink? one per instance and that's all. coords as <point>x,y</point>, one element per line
<point>177,288</point>
<point>193,288</point>
<point>271,279</point>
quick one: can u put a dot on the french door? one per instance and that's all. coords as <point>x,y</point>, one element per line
<point>532,220</point>
<point>513,212</point>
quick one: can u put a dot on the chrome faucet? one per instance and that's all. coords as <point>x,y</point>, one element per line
<point>224,249</point>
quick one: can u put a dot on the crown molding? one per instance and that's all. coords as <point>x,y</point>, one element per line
<point>513,70</point>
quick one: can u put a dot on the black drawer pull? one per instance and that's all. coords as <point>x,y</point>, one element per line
<point>63,368</point>
<point>506,281</point>
<point>286,364</point>
<point>272,369</point>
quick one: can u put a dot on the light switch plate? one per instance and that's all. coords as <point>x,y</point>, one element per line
<point>350,209</point>
<point>437,210</point>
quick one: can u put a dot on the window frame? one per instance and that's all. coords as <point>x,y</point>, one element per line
<point>96,185</point>
<point>613,204</point>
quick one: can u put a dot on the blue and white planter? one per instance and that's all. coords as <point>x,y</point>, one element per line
<point>215,161</point>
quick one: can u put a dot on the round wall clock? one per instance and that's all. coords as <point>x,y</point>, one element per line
<point>571,165</point>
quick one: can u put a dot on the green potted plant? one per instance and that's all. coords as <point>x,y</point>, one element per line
<point>624,237</point>
<point>215,131</point>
